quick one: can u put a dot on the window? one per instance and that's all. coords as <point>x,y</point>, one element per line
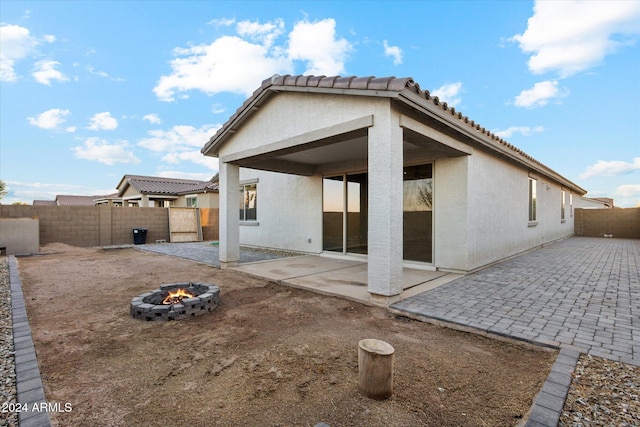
<point>571,204</point>
<point>563,205</point>
<point>532,200</point>
<point>249,202</point>
<point>192,201</point>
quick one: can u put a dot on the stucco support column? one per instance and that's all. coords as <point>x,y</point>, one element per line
<point>385,209</point>
<point>229,215</point>
<point>144,201</point>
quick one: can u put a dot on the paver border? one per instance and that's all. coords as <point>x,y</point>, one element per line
<point>30,391</point>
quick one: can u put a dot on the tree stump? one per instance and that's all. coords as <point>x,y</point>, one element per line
<point>375,368</point>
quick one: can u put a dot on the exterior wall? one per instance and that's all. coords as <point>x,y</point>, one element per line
<point>289,212</point>
<point>621,223</point>
<point>498,211</point>
<point>19,236</point>
<point>92,225</point>
<point>450,207</point>
<point>292,114</point>
<point>208,200</point>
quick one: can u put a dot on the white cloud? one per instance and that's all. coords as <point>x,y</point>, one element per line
<point>449,93</point>
<point>51,119</point>
<point>182,144</point>
<point>627,195</point>
<point>540,94</point>
<point>194,156</point>
<point>205,176</point>
<point>611,168</point>
<point>16,43</point>
<point>238,63</point>
<point>571,36</point>
<point>26,192</point>
<point>316,44</point>
<point>102,151</point>
<point>45,71</point>
<point>229,64</point>
<point>152,118</point>
<point>522,130</point>
<point>103,121</point>
<point>394,52</point>
<point>265,34</point>
<point>178,138</point>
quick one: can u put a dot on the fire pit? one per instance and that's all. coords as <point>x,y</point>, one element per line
<point>175,301</point>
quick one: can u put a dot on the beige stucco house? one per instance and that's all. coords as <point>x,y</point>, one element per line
<point>151,191</point>
<point>379,170</point>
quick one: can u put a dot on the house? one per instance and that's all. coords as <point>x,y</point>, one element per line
<point>67,200</point>
<point>151,191</point>
<point>378,169</point>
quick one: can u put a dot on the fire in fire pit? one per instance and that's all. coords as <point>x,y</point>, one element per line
<point>177,296</point>
<point>175,301</point>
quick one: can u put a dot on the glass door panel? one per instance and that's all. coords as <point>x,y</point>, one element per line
<point>333,213</point>
<point>418,213</point>
<point>357,207</point>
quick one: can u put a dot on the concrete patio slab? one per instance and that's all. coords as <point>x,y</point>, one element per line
<point>336,276</point>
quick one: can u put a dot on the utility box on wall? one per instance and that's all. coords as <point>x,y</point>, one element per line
<point>20,236</point>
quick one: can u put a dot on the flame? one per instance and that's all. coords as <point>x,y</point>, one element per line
<point>175,297</point>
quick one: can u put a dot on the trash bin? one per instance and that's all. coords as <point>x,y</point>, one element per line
<point>139,236</point>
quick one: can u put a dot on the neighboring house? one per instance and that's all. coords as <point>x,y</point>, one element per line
<point>108,200</point>
<point>67,200</point>
<point>150,191</point>
<point>379,169</point>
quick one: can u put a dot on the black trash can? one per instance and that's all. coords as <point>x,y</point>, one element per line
<point>139,236</point>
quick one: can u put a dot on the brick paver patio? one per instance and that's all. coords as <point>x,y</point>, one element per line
<point>580,292</point>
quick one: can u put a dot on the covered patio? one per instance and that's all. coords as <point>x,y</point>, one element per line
<point>371,139</point>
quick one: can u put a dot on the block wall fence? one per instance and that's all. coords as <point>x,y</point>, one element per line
<point>622,223</point>
<point>103,225</point>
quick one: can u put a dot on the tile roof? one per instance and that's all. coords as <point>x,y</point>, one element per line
<point>169,186</point>
<point>405,89</point>
<point>66,200</point>
<point>44,203</point>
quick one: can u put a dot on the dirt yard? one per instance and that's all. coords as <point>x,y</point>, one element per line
<point>268,355</point>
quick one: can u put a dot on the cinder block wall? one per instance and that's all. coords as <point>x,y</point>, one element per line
<point>92,225</point>
<point>622,223</point>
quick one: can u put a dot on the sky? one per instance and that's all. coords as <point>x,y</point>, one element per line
<point>93,90</point>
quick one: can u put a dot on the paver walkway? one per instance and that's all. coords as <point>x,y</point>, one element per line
<point>581,292</point>
<point>205,252</point>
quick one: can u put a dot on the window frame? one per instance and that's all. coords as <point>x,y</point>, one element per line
<point>533,201</point>
<point>242,212</point>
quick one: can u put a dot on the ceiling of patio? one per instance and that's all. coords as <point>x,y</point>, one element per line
<point>308,159</point>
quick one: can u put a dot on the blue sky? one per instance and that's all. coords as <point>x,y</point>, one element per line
<point>91,91</point>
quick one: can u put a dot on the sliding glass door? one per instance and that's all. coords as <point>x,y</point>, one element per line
<point>345,206</point>
<point>345,203</point>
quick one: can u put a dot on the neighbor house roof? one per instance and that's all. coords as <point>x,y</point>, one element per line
<point>44,203</point>
<point>404,90</point>
<point>168,186</point>
<point>65,200</point>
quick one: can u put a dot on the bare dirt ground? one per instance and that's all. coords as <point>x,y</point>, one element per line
<point>268,355</point>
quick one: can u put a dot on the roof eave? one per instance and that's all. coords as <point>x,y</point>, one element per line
<point>482,137</point>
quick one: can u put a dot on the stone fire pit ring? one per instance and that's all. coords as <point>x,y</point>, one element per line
<point>148,306</point>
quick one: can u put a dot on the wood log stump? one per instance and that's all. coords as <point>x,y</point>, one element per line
<point>375,368</point>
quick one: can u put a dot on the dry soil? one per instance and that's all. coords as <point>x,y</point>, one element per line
<point>269,355</point>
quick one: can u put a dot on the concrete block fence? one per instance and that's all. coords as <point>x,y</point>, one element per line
<point>88,226</point>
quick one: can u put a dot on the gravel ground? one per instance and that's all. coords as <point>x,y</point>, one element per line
<point>602,393</point>
<point>7,366</point>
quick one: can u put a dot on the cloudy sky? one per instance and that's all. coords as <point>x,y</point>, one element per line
<point>91,91</point>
